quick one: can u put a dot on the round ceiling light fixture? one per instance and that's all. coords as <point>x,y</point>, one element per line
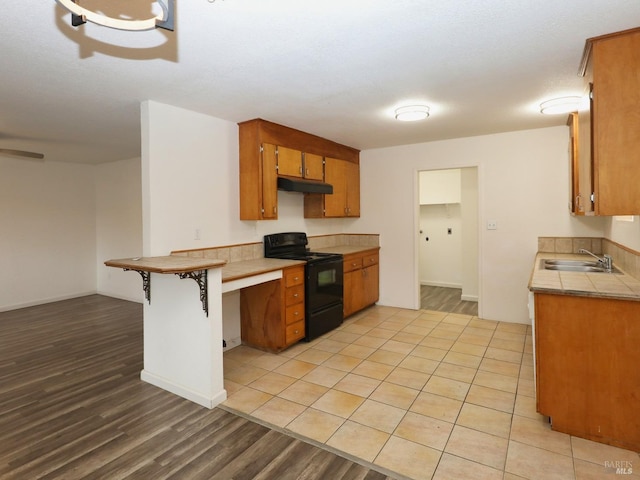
<point>81,15</point>
<point>560,105</point>
<point>412,113</point>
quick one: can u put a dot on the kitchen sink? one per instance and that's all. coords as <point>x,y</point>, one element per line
<point>581,263</point>
<point>586,266</point>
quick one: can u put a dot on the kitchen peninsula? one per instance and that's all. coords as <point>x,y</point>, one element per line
<point>183,322</point>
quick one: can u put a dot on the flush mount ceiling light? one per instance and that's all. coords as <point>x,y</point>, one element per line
<point>560,105</point>
<point>80,15</point>
<point>412,113</point>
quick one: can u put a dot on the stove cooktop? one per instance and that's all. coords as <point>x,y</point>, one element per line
<point>309,256</point>
<point>293,245</point>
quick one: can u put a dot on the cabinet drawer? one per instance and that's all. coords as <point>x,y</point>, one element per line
<point>294,295</point>
<point>370,259</point>
<point>294,313</point>
<point>295,332</point>
<point>352,263</point>
<point>294,276</point>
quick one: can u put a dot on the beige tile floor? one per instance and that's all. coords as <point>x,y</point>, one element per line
<point>423,394</point>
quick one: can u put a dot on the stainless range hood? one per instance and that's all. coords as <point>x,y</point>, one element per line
<point>295,184</point>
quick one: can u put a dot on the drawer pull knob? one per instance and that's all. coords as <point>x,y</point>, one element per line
<point>297,313</point>
<point>297,331</point>
<point>295,295</point>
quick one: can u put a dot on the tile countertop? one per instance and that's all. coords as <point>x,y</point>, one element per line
<point>611,285</point>
<point>247,268</point>
<point>165,264</point>
<point>346,249</point>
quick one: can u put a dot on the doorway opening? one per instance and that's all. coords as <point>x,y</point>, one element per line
<point>448,240</point>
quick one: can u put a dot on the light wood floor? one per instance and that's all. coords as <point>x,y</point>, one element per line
<point>444,299</point>
<point>72,406</point>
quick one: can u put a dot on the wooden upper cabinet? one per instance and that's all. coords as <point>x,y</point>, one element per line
<point>344,176</point>
<point>577,198</point>
<point>289,162</point>
<point>313,166</point>
<point>258,179</point>
<point>335,174</point>
<point>294,163</point>
<point>612,64</point>
<point>268,150</point>
<point>352,179</point>
<point>269,209</point>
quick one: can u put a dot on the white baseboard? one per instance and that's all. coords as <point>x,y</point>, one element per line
<point>232,343</point>
<point>469,298</point>
<point>138,299</point>
<point>33,303</point>
<point>181,391</point>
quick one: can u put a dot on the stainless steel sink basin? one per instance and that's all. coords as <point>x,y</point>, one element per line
<point>574,266</point>
<point>582,263</point>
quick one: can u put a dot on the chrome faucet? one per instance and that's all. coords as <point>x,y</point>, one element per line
<point>606,261</point>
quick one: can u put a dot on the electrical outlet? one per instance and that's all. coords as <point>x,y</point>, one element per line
<point>492,225</point>
<point>196,235</point>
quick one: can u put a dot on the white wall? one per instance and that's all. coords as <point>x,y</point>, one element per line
<point>47,233</point>
<point>118,226</point>
<point>624,233</point>
<point>469,206</point>
<point>194,185</point>
<point>522,184</point>
<point>441,256</point>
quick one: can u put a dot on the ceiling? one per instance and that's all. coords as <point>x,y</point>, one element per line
<point>334,68</point>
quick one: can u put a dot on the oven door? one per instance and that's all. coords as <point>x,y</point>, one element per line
<point>324,284</point>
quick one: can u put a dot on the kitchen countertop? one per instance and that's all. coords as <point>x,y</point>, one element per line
<point>609,285</point>
<point>165,264</point>
<point>345,249</point>
<point>248,268</point>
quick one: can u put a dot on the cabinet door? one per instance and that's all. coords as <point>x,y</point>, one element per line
<point>335,205</point>
<point>313,166</point>
<point>574,165</point>
<point>352,178</point>
<point>289,162</point>
<point>261,312</point>
<point>583,201</point>
<point>586,366</point>
<point>616,123</point>
<point>371,284</point>
<point>353,290</point>
<point>269,182</point>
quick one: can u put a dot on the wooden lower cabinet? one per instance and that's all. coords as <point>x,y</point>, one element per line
<point>272,313</point>
<point>587,367</point>
<point>361,281</point>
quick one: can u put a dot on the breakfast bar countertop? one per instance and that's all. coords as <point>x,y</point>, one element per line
<point>618,285</point>
<point>165,264</point>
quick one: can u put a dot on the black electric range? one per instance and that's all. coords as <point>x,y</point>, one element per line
<point>323,284</point>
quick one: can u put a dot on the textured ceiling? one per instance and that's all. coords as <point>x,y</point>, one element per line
<point>335,68</point>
